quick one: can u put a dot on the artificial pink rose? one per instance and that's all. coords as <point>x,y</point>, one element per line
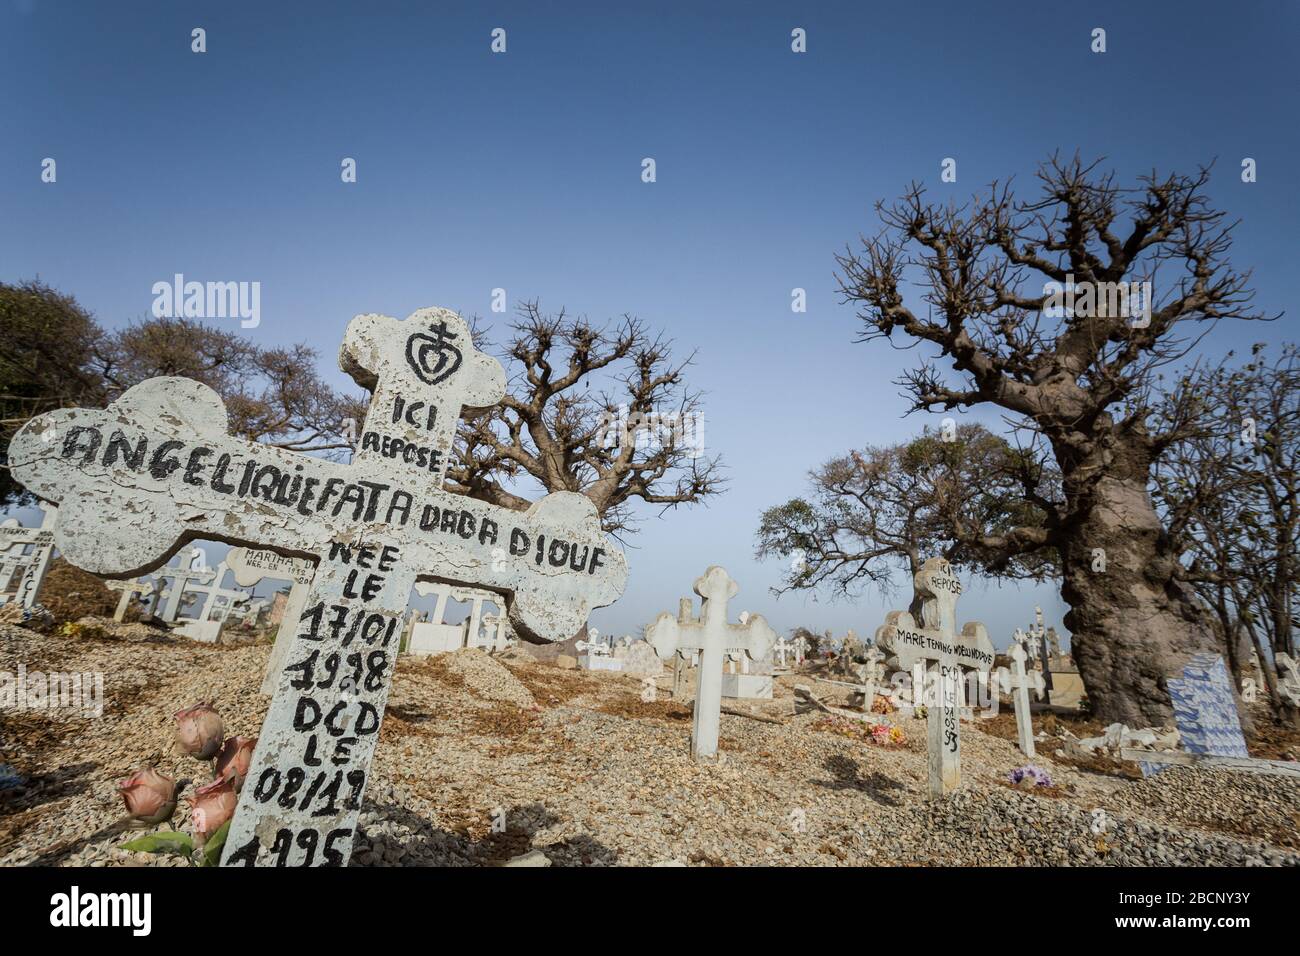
<point>199,730</point>
<point>210,807</point>
<point>150,797</point>
<point>233,760</point>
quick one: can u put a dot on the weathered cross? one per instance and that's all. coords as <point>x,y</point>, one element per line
<point>800,648</point>
<point>781,649</point>
<point>1044,654</point>
<point>935,643</point>
<point>214,591</point>
<point>713,637</point>
<point>685,615</point>
<point>129,589</point>
<point>34,565</point>
<point>250,567</point>
<point>158,468</point>
<point>1020,684</point>
<point>188,569</point>
<point>874,671</point>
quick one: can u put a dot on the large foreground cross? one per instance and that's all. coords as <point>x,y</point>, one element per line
<point>936,644</point>
<point>158,468</point>
<point>713,637</point>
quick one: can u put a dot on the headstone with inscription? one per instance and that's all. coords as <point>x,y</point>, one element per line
<point>251,566</point>
<point>712,637</point>
<point>1205,710</point>
<point>35,564</point>
<point>641,660</point>
<point>158,467</point>
<point>934,642</point>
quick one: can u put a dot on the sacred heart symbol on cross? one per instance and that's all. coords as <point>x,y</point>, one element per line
<point>432,355</point>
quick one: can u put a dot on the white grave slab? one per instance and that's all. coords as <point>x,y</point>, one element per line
<point>159,467</point>
<point>747,686</point>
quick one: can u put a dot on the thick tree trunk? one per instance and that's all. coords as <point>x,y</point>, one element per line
<point>1133,624</point>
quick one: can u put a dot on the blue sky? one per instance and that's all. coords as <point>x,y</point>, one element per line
<point>522,171</point>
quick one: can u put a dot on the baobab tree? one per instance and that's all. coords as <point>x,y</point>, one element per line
<point>880,510</point>
<point>1060,309</point>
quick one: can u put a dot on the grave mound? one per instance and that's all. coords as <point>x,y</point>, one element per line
<point>483,677</point>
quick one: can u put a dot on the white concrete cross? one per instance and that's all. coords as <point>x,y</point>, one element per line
<point>34,565</point>
<point>213,591</point>
<point>182,574</point>
<point>434,636</point>
<point>874,671</point>
<point>781,649</point>
<point>251,566</point>
<point>713,637</point>
<point>800,648</point>
<point>935,643</point>
<point>1020,682</point>
<point>158,468</point>
<point>129,589</point>
<point>685,615</point>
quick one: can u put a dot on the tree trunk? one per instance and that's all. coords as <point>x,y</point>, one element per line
<point>1133,625</point>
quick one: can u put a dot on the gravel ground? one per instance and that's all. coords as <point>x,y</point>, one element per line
<point>578,766</point>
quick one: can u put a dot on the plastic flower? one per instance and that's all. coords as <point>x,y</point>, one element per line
<point>150,796</point>
<point>199,730</point>
<point>211,806</point>
<point>233,760</point>
<point>1029,777</point>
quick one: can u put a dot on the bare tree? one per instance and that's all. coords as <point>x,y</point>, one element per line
<point>53,354</point>
<point>274,396</point>
<point>636,435</point>
<point>879,510</point>
<point>999,276</point>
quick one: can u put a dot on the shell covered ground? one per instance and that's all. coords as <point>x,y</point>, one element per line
<point>482,759</point>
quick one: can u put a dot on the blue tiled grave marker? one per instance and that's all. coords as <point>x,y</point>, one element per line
<point>1205,711</point>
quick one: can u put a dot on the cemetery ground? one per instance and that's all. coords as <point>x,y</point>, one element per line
<point>580,766</point>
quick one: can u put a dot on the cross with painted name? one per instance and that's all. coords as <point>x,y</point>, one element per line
<point>158,468</point>
<point>935,644</point>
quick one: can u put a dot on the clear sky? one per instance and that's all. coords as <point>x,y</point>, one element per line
<point>522,170</point>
